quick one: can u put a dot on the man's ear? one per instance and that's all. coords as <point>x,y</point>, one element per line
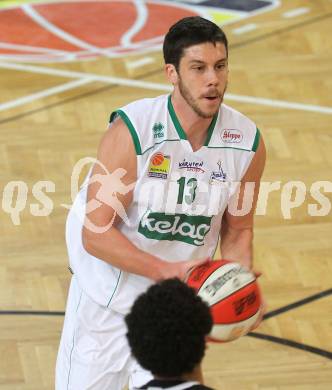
<point>171,73</point>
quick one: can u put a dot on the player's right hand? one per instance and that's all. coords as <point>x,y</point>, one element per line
<point>180,269</point>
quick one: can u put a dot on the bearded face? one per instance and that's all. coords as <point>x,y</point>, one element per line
<point>202,78</point>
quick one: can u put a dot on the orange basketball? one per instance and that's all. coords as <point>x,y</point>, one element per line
<point>157,159</point>
<point>233,295</point>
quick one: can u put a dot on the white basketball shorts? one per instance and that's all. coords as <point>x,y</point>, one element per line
<point>94,353</point>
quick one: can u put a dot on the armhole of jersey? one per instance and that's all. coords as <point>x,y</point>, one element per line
<point>256,140</point>
<point>131,129</point>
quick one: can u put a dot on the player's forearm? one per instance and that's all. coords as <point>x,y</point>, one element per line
<point>236,245</point>
<point>115,248</point>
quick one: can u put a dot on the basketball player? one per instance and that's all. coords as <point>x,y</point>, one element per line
<point>167,327</point>
<point>184,152</point>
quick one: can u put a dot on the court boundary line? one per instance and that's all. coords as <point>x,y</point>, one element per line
<point>88,48</point>
<point>42,58</point>
<point>44,93</point>
<point>273,313</point>
<point>73,74</point>
<point>142,15</point>
<point>275,103</point>
<point>263,101</point>
<point>297,304</point>
<point>29,48</point>
<point>262,336</point>
<point>57,31</point>
<point>30,10</point>
<point>281,31</point>
<point>291,343</point>
<point>142,12</point>
<point>56,104</point>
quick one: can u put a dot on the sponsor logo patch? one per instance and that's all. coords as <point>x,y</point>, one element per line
<point>190,229</point>
<point>231,136</point>
<point>159,166</point>
<point>192,166</point>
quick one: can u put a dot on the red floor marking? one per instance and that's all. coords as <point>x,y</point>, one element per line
<point>17,27</point>
<point>100,24</point>
<point>19,52</point>
<point>160,19</point>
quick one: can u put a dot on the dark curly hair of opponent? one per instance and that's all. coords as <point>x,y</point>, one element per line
<point>167,326</point>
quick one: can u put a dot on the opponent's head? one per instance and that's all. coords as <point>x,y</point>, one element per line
<point>196,53</point>
<point>167,327</point>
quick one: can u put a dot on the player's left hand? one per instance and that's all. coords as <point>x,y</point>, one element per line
<point>180,269</point>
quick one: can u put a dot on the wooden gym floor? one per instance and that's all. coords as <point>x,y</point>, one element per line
<point>53,112</point>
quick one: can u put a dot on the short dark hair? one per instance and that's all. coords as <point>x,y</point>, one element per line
<point>167,326</point>
<point>187,32</point>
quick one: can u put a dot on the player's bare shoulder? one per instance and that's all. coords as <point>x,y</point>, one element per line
<point>112,180</point>
<point>257,165</point>
<point>116,149</point>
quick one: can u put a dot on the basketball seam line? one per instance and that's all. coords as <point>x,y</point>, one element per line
<point>236,322</point>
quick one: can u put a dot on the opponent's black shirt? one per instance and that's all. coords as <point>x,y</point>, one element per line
<point>172,385</point>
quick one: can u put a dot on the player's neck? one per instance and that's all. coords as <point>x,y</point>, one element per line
<point>195,375</point>
<point>194,126</point>
<point>175,379</point>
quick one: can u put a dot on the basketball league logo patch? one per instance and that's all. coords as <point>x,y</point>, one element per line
<point>159,166</point>
<point>218,176</point>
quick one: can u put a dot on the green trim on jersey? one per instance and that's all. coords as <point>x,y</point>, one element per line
<point>73,344</point>
<point>253,149</point>
<point>131,129</point>
<point>228,147</point>
<point>158,143</point>
<point>175,120</point>
<point>115,288</point>
<point>210,130</point>
<point>179,128</point>
<point>256,140</point>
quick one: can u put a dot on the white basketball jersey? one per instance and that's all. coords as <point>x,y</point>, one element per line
<point>179,197</point>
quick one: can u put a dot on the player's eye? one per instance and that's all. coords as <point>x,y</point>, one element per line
<point>221,65</point>
<point>198,68</point>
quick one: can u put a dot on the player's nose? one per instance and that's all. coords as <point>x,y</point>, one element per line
<point>212,78</point>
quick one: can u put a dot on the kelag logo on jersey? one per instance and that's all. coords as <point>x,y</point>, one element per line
<point>159,166</point>
<point>191,229</point>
